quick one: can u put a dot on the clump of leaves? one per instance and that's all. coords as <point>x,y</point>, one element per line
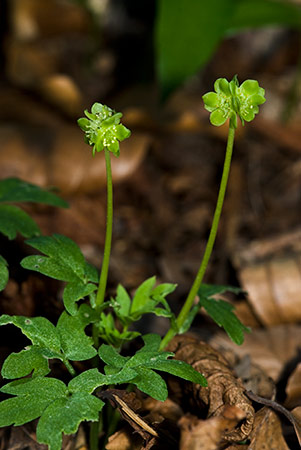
<point>95,329</point>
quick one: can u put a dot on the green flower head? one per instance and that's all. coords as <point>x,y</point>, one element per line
<point>230,100</point>
<point>103,129</point>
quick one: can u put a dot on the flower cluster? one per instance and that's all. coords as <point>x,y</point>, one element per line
<point>103,129</point>
<point>230,100</point>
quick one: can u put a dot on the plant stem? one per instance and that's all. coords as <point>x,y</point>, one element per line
<point>208,250</point>
<point>108,240</point>
<point>94,433</point>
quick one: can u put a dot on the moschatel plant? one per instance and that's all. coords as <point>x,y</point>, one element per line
<point>93,327</point>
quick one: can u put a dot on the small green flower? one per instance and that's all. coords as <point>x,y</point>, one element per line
<point>103,129</point>
<point>230,100</point>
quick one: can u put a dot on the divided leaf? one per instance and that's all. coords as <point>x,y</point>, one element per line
<point>76,345</point>
<point>64,416</point>
<point>63,261</point>
<point>222,312</point>
<point>31,359</point>
<point>16,190</point>
<point>144,362</point>
<point>39,330</point>
<point>33,397</point>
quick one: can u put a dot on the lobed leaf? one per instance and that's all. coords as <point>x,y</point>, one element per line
<point>76,345</point>
<point>33,397</point>
<point>16,190</point>
<point>75,291</point>
<point>64,416</point>
<point>14,220</point>
<point>62,251</point>
<point>39,330</point>
<point>18,365</point>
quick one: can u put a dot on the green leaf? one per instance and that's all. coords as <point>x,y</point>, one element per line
<point>76,345</point>
<point>261,13</point>
<point>64,416</point>
<point>151,343</point>
<point>151,383</point>
<point>221,311</point>
<point>208,290</point>
<point>3,273</point>
<point>33,396</point>
<point>91,379</point>
<point>75,291</point>
<point>16,190</point>
<point>13,220</point>
<point>39,330</point>
<point>122,303</point>
<point>111,356</point>
<point>20,364</point>
<point>180,369</point>
<point>142,294</point>
<point>187,33</point>
<point>62,252</point>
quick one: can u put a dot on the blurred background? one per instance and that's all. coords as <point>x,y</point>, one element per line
<point>153,60</point>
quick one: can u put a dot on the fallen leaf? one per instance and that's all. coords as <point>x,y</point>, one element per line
<point>293,389</point>
<point>267,432</point>
<point>270,349</point>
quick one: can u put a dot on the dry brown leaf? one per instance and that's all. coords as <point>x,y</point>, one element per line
<point>293,389</point>
<point>267,432</point>
<point>270,349</point>
<point>223,387</point>
<point>296,412</point>
<point>270,272</point>
<point>207,434</point>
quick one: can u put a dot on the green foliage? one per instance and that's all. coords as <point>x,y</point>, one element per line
<point>3,273</point>
<point>60,410</point>
<point>103,129</point>
<point>13,219</point>
<point>144,362</point>
<point>187,33</point>
<point>16,190</point>
<point>145,301</point>
<point>230,100</point>
<point>63,261</point>
<point>219,310</point>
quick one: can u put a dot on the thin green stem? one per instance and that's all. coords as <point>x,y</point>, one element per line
<point>95,428</point>
<point>208,250</point>
<point>108,240</point>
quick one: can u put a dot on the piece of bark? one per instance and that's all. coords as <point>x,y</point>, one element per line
<point>223,387</point>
